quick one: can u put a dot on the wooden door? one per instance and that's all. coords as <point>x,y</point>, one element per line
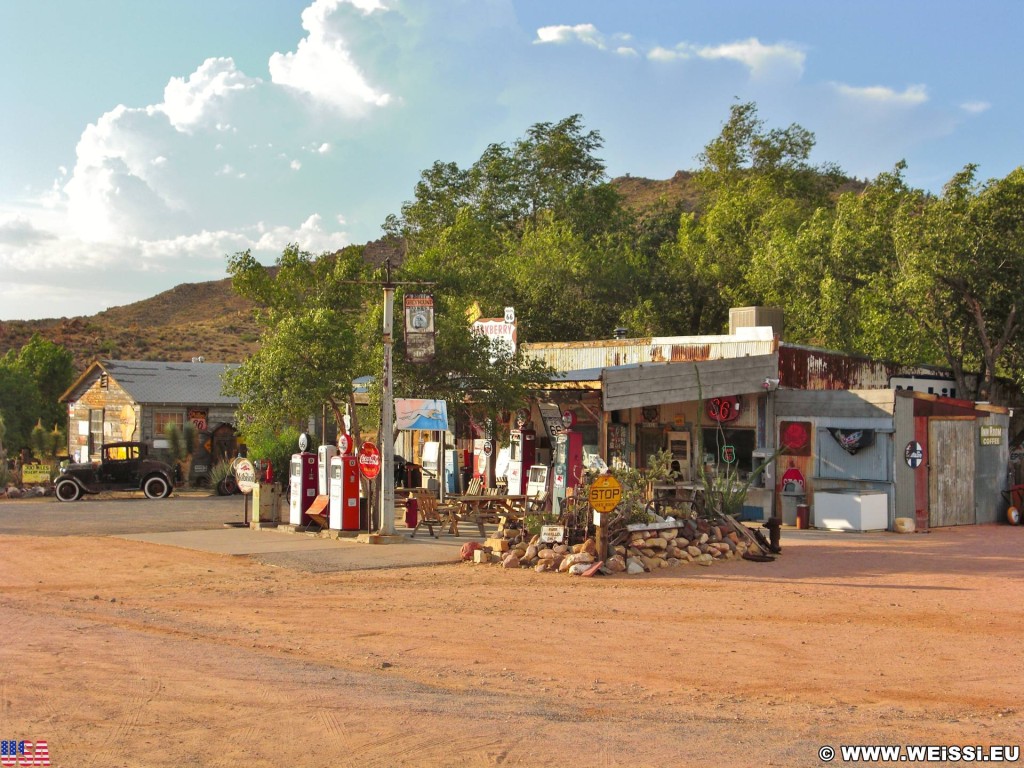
<point>950,471</point>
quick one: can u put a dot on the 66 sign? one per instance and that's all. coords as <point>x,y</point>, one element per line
<point>723,409</point>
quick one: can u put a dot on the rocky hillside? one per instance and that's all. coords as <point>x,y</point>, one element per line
<point>212,321</point>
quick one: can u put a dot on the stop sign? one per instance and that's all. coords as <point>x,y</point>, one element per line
<point>605,493</point>
<point>369,461</point>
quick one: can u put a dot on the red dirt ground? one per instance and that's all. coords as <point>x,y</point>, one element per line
<point>121,653</point>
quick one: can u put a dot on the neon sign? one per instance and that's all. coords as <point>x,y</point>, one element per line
<point>723,409</point>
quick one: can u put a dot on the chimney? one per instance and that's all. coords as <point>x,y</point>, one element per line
<point>621,333</point>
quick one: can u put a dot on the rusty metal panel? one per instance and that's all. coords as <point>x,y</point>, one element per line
<point>584,355</point>
<point>951,472</point>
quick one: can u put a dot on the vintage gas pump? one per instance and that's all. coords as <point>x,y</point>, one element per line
<point>568,467</point>
<point>344,493</point>
<point>521,457</point>
<point>324,454</point>
<point>302,482</point>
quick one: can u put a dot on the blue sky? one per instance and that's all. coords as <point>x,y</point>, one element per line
<point>143,142</point>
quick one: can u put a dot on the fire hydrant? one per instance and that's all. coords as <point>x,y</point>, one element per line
<point>774,526</point>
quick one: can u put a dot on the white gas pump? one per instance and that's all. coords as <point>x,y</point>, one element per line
<point>324,455</point>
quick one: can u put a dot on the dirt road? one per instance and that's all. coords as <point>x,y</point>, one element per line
<point>125,653</point>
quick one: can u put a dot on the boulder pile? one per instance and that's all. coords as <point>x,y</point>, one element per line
<point>640,548</point>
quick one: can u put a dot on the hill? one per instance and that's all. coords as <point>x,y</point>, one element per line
<point>210,320</point>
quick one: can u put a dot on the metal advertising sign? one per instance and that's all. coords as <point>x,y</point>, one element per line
<point>991,434</point>
<point>914,454</point>
<point>245,475</point>
<point>369,461</point>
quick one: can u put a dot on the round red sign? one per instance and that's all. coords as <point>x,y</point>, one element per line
<point>369,461</point>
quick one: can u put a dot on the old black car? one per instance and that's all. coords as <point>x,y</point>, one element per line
<point>123,467</point>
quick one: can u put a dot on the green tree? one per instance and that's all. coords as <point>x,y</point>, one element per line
<point>758,188</point>
<point>533,225</point>
<point>310,348</point>
<point>52,367</point>
<point>19,405</point>
<point>962,273</point>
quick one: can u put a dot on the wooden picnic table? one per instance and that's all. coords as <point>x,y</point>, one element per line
<point>481,508</point>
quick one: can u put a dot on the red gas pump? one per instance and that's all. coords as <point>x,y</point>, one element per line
<point>344,493</point>
<point>302,486</point>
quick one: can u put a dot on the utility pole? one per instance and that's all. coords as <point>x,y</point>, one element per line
<point>387,405</point>
<point>387,448</point>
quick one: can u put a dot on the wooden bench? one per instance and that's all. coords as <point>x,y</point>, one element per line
<point>430,513</point>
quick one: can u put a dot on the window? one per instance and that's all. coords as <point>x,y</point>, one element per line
<point>122,452</point>
<point>95,430</point>
<point>163,419</point>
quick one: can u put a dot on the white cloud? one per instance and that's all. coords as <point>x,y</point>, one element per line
<point>560,34</point>
<point>912,95</point>
<point>759,58</point>
<point>625,50</point>
<point>975,107</point>
<point>322,66</point>
<point>295,165</point>
<point>189,102</point>
<point>756,56</point>
<point>18,230</point>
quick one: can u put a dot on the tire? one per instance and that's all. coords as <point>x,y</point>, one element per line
<point>156,487</point>
<point>67,490</point>
<point>228,486</point>
<point>1013,515</point>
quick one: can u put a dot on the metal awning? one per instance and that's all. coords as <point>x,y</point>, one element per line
<point>663,383</point>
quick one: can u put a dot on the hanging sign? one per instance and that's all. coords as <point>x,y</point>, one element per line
<point>729,454</point>
<point>369,461</point>
<point>419,327</point>
<point>723,409</point>
<point>914,454</point>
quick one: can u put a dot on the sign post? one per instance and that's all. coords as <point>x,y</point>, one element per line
<point>245,478</point>
<point>605,495</point>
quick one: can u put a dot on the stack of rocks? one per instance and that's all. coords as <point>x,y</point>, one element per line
<point>647,547</point>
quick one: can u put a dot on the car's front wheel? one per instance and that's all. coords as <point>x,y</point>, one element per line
<point>156,487</point>
<point>67,490</point>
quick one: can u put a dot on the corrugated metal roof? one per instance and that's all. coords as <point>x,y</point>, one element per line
<point>583,355</point>
<point>171,383</point>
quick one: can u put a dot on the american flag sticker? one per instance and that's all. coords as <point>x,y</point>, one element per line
<point>24,753</point>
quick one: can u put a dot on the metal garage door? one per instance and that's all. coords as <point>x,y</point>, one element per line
<point>950,472</point>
